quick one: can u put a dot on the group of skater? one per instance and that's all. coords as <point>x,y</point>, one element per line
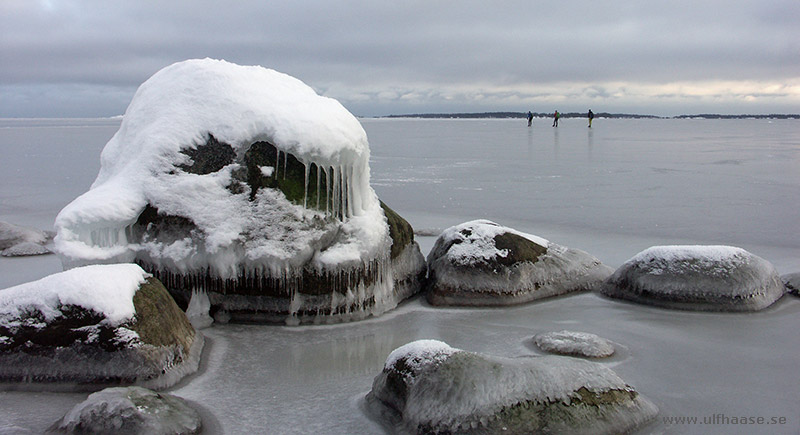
<point>557,115</point>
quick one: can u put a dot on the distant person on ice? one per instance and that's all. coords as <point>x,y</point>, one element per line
<point>530,118</point>
<point>555,119</point>
<point>590,115</point>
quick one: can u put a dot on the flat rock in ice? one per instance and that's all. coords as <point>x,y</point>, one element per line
<point>25,249</point>
<point>130,410</point>
<point>16,240</point>
<point>94,326</point>
<point>704,278</point>
<point>574,343</point>
<point>481,263</point>
<point>429,387</point>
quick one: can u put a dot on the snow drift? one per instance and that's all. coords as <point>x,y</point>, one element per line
<point>242,182</point>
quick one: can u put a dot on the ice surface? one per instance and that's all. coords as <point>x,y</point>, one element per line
<point>106,289</point>
<point>574,343</point>
<point>628,185</point>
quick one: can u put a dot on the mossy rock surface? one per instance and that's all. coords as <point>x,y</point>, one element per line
<point>400,230</point>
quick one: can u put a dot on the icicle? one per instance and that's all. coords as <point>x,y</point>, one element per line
<point>318,182</point>
<point>305,185</point>
<point>277,162</point>
<point>285,164</point>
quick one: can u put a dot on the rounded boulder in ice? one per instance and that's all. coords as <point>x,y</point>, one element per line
<point>130,410</point>
<point>244,184</point>
<point>703,278</point>
<point>429,387</point>
<point>481,263</point>
<point>574,343</point>
<point>91,327</point>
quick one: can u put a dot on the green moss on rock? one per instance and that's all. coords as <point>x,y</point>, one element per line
<point>159,321</point>
<point>400,230</point>
<point>519,249</point>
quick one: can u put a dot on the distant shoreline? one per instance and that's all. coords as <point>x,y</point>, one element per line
<point>505,115</point>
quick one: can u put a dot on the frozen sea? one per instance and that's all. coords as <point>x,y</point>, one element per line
<point>612,190</point>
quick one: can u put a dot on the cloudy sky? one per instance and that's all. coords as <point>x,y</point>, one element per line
<point>71,58</point>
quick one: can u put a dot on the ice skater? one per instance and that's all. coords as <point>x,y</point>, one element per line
<point>555,118</point>
<point>590,115</point>
<point>530,118</point>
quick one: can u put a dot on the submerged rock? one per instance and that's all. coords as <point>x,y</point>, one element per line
<point>481,263</point>
<point>243,184</point>
<point>130,410</point>
<point>16,241</point>
<point>792,283</point>
<point>704,278</point>
<point>429,387</point>
<point>94,326</point>
<point>574,343</point>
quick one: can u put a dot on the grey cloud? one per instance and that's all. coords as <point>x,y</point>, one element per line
<point>366,46</point>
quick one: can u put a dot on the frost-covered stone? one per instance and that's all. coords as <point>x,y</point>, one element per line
<point>16,240</point>
<point>130,410</point>
<point>574,343</point>
<point>25,249</point>
<point>705,278</point>
<point>94,326</point>
<point>481,263</point>
<point>429,387</point>
<point>243,183</point>
<point>792,283</point>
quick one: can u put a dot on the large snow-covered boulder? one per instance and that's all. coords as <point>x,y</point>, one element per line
<point>16,240</point>
<point>429,387</point>
<point>243,183</point>
<point>704,278</point>
<point>94,326</point>
<point>481,263</point>
<point>130,410</point>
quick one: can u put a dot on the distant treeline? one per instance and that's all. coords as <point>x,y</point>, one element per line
<point>583,115</point>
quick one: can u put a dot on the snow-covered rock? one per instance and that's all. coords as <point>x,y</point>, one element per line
<point>25,249</point>
<point>429,387</point>
<point>705,278</point>
<point>130,410</point>
<point>792,283</point>
<point>242,182</point>
<point>16,240</point>
<point>94,326</point>
<point>482,263</point>
<point>574,343</point>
